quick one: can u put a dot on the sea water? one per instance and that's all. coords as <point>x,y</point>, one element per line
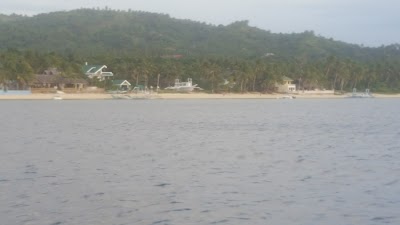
<point>156,162</point>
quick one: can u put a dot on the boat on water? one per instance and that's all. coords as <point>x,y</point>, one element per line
<point>183,86</point>
<point>287,97</point>
<point>356,94</point>
<point>120,96</point>
<point>134,96</point>
<point>57,98</point>
<point>117,92</point>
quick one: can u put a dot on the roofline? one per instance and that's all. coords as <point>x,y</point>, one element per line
<point>123,81</point>
<point>101,68</point>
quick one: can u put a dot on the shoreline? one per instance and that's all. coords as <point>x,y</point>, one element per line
<point>104,96</point>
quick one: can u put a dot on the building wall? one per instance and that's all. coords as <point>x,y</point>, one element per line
<point>285,88</point>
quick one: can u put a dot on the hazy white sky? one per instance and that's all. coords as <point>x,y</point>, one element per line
<point>368,22</point>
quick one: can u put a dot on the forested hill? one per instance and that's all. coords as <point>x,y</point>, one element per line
<point>89,32</point>
<point>138,46</point>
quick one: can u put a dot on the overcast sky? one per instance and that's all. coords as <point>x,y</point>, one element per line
<point>367,22</point>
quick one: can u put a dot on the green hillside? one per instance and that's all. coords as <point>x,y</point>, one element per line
<point>143,43</point>
<point>91,32</point>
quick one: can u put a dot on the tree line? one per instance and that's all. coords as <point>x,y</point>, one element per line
<point>214,74</point>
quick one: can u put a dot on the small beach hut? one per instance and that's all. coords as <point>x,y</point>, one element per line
<point>123,85</point>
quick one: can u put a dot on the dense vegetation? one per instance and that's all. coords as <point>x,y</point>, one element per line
<point>138,46</point>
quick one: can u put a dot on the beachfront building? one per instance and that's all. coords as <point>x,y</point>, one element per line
<point>96,71</point>
<point>53,79</point>
<point>286,86</point>
<point>122,85</point>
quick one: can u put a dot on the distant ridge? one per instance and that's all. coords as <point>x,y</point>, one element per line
<point>89,32</point>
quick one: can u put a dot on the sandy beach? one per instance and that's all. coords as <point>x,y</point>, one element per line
<point>103,96</point>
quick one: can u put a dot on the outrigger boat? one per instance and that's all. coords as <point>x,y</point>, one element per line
<point>356,94</point>
<point>183,86</point>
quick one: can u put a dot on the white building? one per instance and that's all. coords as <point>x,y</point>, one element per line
<point>286,86</point>
<point>92,71</point>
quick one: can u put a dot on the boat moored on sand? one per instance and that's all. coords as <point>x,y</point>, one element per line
<point>183,86</point>
<point>356,94</point>
<point>287,97</point>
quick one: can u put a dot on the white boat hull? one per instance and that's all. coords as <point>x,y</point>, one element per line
<point>183,86</point>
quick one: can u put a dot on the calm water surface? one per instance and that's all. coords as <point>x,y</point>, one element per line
<point>180,162</point>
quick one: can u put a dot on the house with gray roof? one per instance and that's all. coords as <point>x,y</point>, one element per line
<point>52,77</point>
